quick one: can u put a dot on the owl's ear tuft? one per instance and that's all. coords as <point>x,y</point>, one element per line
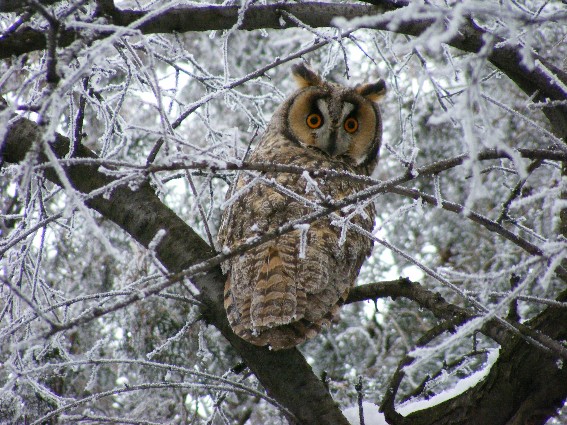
<point>305,76</point>
<point>372,91</point>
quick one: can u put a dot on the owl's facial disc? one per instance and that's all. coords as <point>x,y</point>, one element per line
<point>338,123</point>
<point>331,136</point>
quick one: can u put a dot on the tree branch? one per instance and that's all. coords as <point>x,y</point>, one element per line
<point>543,80</point>
<point>192,18</point>
<point>285,374</point>
<point>523,386</point>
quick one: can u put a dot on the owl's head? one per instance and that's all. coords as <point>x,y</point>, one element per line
<point>341,122</point>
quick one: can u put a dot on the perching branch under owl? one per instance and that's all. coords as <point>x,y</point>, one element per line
<point>286,290</point>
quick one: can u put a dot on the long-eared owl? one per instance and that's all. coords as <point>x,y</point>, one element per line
<point>284,291</point>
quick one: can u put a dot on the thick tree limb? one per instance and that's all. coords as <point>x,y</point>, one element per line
<point>285,374</point>
<point>524,386</point>
<point>192,18</point>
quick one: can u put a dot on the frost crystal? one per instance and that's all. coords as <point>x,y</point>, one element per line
<point>303,232</point>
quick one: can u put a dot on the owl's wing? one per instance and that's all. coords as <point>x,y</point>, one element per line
<point>276,299</point>
<point>278,337</point>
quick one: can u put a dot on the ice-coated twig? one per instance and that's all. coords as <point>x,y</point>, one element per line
<point>557,142</point>
<point>190,322</point>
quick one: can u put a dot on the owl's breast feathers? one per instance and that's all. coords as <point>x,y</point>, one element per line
<point>284,291</point>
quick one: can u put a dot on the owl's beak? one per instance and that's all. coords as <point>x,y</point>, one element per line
<point>331,146</point>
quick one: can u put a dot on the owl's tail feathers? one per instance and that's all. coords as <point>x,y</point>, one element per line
<point>277,337</point>
<point>276,298</point>
<point>239,324</point>
<point>274,312</point>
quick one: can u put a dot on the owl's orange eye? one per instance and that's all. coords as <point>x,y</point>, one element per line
<point>314,120</point>
<point>351,125</point>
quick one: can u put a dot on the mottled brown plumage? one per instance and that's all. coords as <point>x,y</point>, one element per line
<point>275,294</point>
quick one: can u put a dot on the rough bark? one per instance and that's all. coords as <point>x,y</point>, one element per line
<point>192,18</point>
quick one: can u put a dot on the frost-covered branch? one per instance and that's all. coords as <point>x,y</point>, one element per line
<point>541,79</point>
<point>491,225</point>
<point>184,18</point>
<point>454,316</point>
<point>405,288</point>
<point>213,166</point>
<point>140,387</point>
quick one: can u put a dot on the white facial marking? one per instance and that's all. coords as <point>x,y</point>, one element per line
<point>347,109</point>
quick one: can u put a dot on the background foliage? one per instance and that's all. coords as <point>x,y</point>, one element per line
<point>179,109</point>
